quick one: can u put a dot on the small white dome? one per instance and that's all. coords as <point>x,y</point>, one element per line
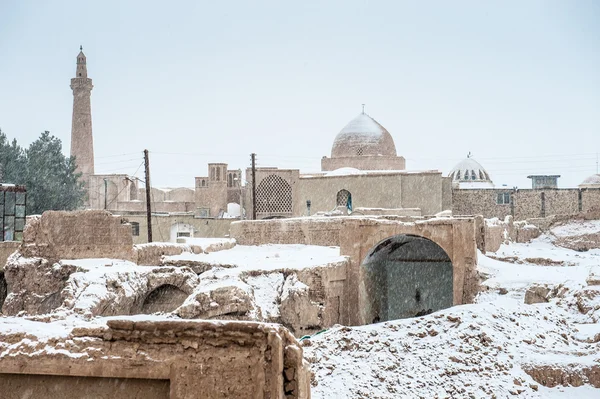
<point>468,173</point>
<point>592,181</point>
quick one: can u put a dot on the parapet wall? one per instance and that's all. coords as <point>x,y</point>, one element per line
<point>155,359</point>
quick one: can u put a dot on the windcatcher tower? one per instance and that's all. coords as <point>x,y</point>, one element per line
<point>82,142</point>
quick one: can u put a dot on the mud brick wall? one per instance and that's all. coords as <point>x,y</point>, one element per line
<point>77,235</point>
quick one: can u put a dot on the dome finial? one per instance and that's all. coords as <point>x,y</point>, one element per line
<point>363,106</point>
<point>469,155</point>
<point>80,47</point>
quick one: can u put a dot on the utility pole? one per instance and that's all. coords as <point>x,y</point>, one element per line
<point>148,208</point>
<point>105,191</point>
<point>253,156</point>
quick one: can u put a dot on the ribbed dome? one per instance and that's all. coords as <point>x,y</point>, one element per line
<point>470,172</point>
<point>363,135</point>
<point>592,181</point>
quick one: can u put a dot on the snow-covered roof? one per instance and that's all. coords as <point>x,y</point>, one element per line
<point>592,181</point>
<point>469,173</point>
<point>363,135</point>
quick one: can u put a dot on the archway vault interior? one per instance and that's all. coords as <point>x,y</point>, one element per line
<point>405,276</point>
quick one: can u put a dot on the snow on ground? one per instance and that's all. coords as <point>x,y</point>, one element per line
<point>572,229</point>
<point>269,257</point>
<point>471,351</point>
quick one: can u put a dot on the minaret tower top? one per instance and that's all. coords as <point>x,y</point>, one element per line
<point>82,142</point>
<point>81,64</point>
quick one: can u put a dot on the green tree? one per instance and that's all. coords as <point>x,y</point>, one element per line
<point>50,177</point>
<point>12,160</point>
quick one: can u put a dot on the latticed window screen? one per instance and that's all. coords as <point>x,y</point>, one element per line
<point>342,197</point>
<point>274,195</point>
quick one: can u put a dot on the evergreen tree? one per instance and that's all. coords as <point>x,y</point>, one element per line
<point>12,160</point>
<point>50,177</point>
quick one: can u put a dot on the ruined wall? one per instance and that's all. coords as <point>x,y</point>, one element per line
<point>157,359</point>
<point>77,235</point>
<point>6,249</point>
<point>356,236</point>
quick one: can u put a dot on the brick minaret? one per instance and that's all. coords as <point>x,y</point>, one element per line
<point>82,142</point>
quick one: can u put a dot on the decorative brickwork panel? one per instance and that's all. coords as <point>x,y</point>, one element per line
<point>274,195</point>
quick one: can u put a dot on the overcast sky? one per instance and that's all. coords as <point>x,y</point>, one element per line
<point>517,83</point>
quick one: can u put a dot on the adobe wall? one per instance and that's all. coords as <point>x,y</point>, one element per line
<point>157,359</point>
<point>364,163</point>
<point>157,206</point>
<point>161,226</point>
<point>526,203</point>
<point>6,249</point>
<point>479,202</point>
<point>77,235</point>
<point>310,231</point>
<point>421,190</point>
<point>356,236</point>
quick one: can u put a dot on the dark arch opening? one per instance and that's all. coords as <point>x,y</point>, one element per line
<point>406,276</point>
<point>165,298</point>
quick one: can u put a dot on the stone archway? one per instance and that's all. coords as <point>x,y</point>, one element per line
<point>165,298</point>
<point>405,276</point>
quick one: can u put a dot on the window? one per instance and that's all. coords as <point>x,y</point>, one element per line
<point>183,234</point>
<point>274,195</point>
<point>135,228</point>
<point>360,151</point>
<point>203,183</point>
<point>473,177</point>
<point>503,199</point>
<point>344,198</point>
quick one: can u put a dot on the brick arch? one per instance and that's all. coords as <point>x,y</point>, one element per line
<point>455,236</point>
<point>405,276</point>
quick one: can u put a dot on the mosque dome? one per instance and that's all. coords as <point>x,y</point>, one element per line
<point>469,173</point>
<point>362,136</point>
<point>591,182</point>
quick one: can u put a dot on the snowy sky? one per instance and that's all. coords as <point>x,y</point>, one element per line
<point>517,83</point>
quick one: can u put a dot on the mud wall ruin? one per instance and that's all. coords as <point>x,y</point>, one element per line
<point>357,236</point>
<point>157,359</point>
<point>59,235</point>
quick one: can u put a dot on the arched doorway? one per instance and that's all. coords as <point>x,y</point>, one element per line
<point>405,276</point>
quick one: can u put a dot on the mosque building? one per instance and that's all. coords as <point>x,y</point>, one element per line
<point>363,175</point>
